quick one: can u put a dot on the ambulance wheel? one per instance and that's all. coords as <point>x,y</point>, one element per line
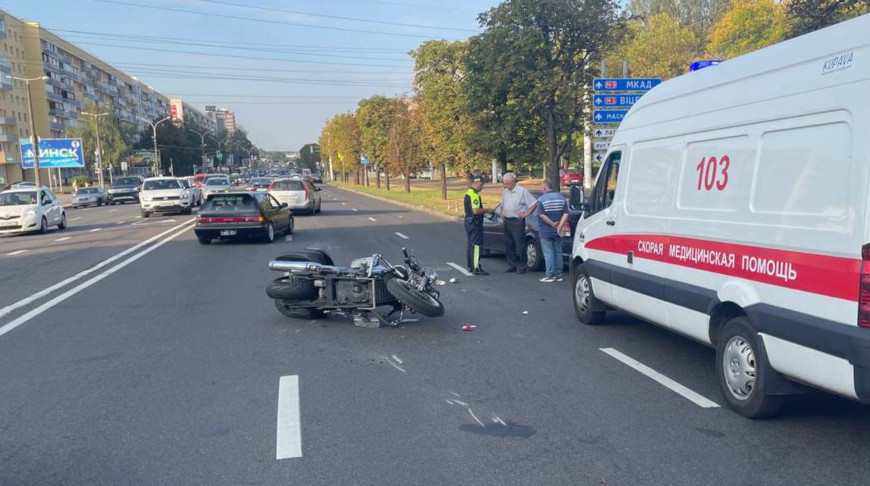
<point>741,371</point>
<point>584,299</point>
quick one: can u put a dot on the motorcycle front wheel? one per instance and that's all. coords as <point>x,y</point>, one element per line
<point>289,310</point>
<point>418,301</point>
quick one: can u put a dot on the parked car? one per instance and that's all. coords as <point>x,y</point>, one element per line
<point>242,215</point>
<point>165,195</point>
<point>259,184</point>
<point>493,238</point>
<point>214,185</point>
<point>30,209</point>
<point>125,189</point>
<point>570,177</point>
<point>189,183</point>
<point>299,195</point>
<point>23,185</point>
<point>317,177</point>
<point>90,196</point>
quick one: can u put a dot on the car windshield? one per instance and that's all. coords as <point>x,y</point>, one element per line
<point>184,183</point>
<point>261,182</point>
<point>288,186</point>
<point>87,190</point>
<point>160,184</point>
<point>216,182</point>
<point>17,198</point>
<point>126,181</point>
<point>229,202</point>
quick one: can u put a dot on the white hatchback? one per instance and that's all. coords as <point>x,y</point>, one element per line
<point>28,209</point>
<point>164,195</point>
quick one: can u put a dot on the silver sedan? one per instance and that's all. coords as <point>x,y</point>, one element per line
<point>90,196</point>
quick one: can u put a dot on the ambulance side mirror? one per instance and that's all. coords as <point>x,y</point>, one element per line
<point>577,200</point>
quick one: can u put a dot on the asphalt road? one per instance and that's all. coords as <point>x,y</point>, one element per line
<point>163,367</point>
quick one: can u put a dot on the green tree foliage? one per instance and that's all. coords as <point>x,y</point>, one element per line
<point>749,25</point>
<point>809,15</point>
<point>341,139</point>
<point>376,116</point>
<point>699,16</point>
<point>112,136</point>
<point>180,148</point>
<point>660,48</point>
<point>549,50</point>
<point>309,155</point>
<point>403,151</point>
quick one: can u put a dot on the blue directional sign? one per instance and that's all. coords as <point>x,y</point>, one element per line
<point>54,153</point>
<point>608,116</point>
<point>364,161</point>
<point>625,84</point>
<point>704,63</point>
<point>615,101</point>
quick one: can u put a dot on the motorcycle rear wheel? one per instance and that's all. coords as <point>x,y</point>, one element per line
<point>291,288</point>
<point>289,310</point>
<point>418,301</point>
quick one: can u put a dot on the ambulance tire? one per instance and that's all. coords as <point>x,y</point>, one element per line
<point>740,371</point>
<point>585,303</point>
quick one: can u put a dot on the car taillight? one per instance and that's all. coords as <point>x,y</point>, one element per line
<point>250,188</point>
<point>864,289</point>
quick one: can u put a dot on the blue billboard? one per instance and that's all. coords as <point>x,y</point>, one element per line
<point>54,153</point>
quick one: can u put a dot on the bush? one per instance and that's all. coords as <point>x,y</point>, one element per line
<point>81,181</point>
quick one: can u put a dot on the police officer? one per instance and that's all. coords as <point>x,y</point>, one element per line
<point>474,226</point>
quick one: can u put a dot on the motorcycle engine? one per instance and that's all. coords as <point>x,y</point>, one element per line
<point>352,292</point>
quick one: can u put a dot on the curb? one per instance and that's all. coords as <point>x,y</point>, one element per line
<point>403,204</point>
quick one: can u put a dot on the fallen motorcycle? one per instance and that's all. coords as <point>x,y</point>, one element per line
<point>313,286</point>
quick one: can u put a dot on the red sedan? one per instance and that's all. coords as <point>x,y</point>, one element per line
<point>570,177</point>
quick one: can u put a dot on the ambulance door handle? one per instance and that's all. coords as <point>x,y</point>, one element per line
<point>611,222</point>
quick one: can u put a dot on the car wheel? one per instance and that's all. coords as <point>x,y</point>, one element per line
<point>269,235</point>
<point>99,202</point>
<point>203,240</point>
<point>290,227</point>
<point>534,256</point>
<point>146,214</point>
<point>43,226</point>
<point>740,369</point>
<point>75,207</point>
<point>62,224</point>
<point>187,211</point>
<point>584,298</point>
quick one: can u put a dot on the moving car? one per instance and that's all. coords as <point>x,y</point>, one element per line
<point>259,184</point>
<point>719,215</point>
<point>242,215</point>
<point>317,177</point>
<point>125,189</point>
<point>90,196</point>
<point>195,191</point>
<point>493,238</point>
<point>570,177</point>
<point>165,195</point>
<point>198,179</point>
<point>297,194</point>
<point>28,209</point>
<point>23,185</point>
<point>214,185</point>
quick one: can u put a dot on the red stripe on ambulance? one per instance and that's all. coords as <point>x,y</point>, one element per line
<point>818,274</point>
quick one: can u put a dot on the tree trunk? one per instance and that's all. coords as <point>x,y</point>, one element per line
<point>552,149</point>
<point>378,177</point>
<point>356,173</point>
<point>443,182</point>
<point>388,179</point>
<point>502,162</point>
<point>407,174</point>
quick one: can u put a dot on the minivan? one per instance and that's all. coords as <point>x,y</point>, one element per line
<point>732,208</point>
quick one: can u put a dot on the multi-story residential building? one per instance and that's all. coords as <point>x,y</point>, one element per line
<point>182,112</point>
<point>76,78</point>
<point>226,121</point>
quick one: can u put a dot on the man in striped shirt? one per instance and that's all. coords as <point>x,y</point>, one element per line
<point>552,214</point>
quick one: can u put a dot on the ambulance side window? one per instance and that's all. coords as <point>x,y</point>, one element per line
<point>605,188</point>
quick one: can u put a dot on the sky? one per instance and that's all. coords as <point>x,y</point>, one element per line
<point>283,66</point>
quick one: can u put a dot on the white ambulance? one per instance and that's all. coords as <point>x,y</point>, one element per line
<point>732,208</point>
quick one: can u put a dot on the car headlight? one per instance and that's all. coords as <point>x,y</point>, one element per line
<point>29,213</point>
<point>146,198</point>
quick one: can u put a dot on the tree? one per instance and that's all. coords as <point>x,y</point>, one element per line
<point>446,120</point>
<point>375,117</point>
<point>112,136</point>
<point>699,16</point>
<point>806,16</point>
<point>749,25</point>
<point>340,139</point>
<point>660,48</point>
<point>403,148</point>
<point>309,155</point>
<point>548,50</point>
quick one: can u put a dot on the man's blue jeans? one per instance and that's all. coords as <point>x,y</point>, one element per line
<point>551,247</point>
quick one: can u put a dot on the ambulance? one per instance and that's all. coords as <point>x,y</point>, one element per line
<point>732,208</point>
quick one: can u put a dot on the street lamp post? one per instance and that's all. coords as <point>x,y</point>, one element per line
<point>35,138</point>
<point>220,143</point>
<point>97,117</point>
<point>154,137</point>
<point>202,141</point>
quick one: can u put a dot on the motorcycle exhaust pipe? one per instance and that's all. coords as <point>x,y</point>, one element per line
<point>285,266</point>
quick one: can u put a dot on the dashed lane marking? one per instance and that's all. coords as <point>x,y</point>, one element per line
<point>400,235</point>
<point>289,435</point>
<point>460,269</point>
<point>16,252</point>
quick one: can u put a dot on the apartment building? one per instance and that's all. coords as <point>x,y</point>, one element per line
<point>226,121</point>
<point>182,112</point>
<point>76,78</point>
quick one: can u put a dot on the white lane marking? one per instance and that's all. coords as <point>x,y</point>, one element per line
<point>82,286</point>
<point>138,217</point>
<point>94,230</point>
<point>461,270</point>
<point>354,209</point>
<point>397,359</point>
<point>394,365</point>
<point>159,221</point>
<point>496,419</point>
<point>400,235</point>
<point>42,293</point>
<point>289,435</point>
<point>344,204</point>
<point>288,238</point>
<point>75,219</point>
<point>64,238</point>
<point>460,402</point>
<point>448,402</point>
<point>120,222</point>
<point>675,387</point>
<point>113,210</point>
<point>16,252</point>
<point>373,220</point>
<point>475,418</point>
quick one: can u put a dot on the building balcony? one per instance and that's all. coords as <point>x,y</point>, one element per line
<point>62,114</point>
<point>8,120</point>
<point>54,96</point>
<point>51,67</point>
<point>57,127</point>
<point>5,137</point>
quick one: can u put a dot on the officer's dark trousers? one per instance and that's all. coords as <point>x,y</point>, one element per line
<point>472,249</point>
<point>515,242</point>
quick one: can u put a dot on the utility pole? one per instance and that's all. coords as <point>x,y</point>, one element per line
<point>34,137</point>
<point>154,137</point>
<point>97,117</point>
<point>202,142</point>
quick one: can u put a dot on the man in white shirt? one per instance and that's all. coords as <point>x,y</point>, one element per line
<point>516,204</point>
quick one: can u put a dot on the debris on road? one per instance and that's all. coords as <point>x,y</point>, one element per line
<point>454,280</point>
<point>525,313</point>
<point>468,327</point>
